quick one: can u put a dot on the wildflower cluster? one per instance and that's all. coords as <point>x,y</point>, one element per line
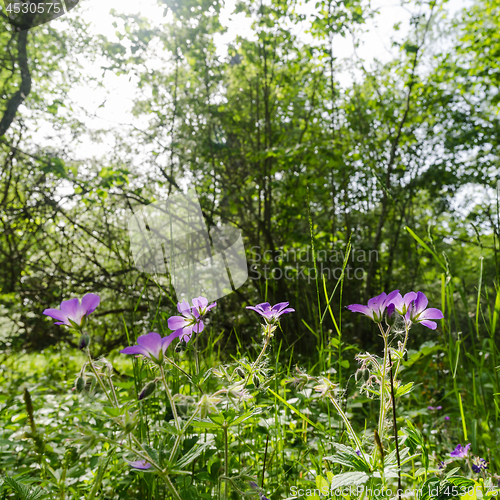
<point>413,308</point>
<point>220,408</point>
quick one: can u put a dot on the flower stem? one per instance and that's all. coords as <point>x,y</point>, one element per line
<point>395,426</point>
<point>382,410</point>
<point>173,363</point>
<point>179,436</point>
<point>172,488</point>
<point>92,367</point>
<point>398,362</point>
<point>171,400</point>
<point>350,430</point>
<point>256,362</point>
<point>226,462</point>
<point>113,390</point>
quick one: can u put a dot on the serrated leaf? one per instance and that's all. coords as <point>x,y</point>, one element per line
<point>349,479</point>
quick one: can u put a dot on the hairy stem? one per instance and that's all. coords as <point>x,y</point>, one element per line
<point>97,376</point>
<point>226,462</point>
<point>354,438</point>
<point>172,488</point>
<point>398,362</point>
<point>381,416</point>
<point>179,436</point>
<point>173,363</point>
<point>171,400</point>
<point>256,362</point>
<point>113,390</point>
<point>395,424</point>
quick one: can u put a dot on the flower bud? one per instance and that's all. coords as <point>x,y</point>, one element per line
<point>366,375</point>
<point>390,317</point>
<point>80,384</point>
<point>207,404</point>
<point>239,372</point>
<point>89,383</point>
<point>147,390</point>
<point>256,380</point>
<point>129,422</point>
<point>84,341</point>
<point>204,406</point>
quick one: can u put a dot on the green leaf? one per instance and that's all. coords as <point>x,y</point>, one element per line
<point>297,412</point>
<point>246,416</point>
<point>23,491</point>
<point>193,453</point>
<point>349,479</point>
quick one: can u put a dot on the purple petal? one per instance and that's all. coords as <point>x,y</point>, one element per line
<point>166,341</point>
<point>151,342</point>
<point>376,302</point>
<point>211,306</point>
<point>200,302</point>
<point>183,307</point>
<point>429,324</point>
<point>460,451</point>
<point>90,302</point>
<point>56,314</point>
<point>431,313</point>
<point>409,298</point>
<point>198,327</point>
<point>187,333</point>
<point>264,306</point>
<point>390,297</point>
<point>420,303</point>
<point>279,306</point>
<point>398,303</point>
<point>391,308</point>
<point>287,310</point>
<point>140,464</point>
<point>176,322</point>
<point>72,310</point>
<point>361,309</point>
<point>135,349</point>
<point>258,311</point>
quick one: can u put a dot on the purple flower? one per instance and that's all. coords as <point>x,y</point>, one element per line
<point>441,465</point>
<point>460,451</point>
<point>72,312</point>
<point>434,408</point>
<point>376,306</point>
<point>201,305</point>
<point>447,417</point>
<point>271,314</point>
<point>479,464</point>
<point>402,304</point>
<point>191,318</point>
<point>358,452</point>
<point>255,486</point>
<point>151,346</point>
<point>140,464</point>
<point>417,312</point>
